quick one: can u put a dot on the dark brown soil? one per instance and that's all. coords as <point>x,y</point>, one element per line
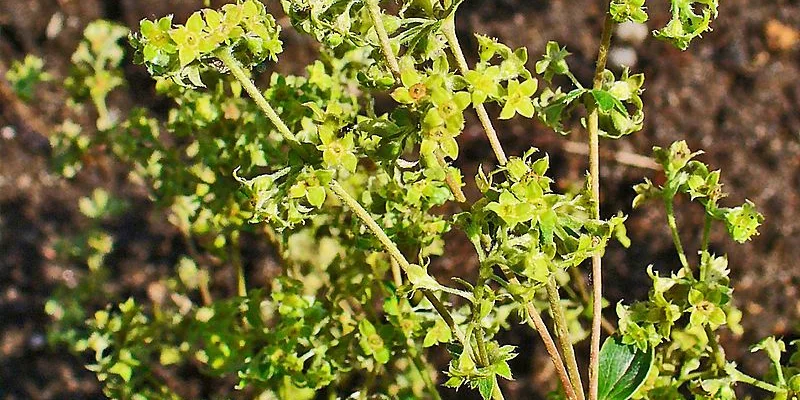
<point>734,94</point>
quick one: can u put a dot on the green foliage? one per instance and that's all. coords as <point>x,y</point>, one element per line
<point>614,99</point>
<point>96,68</point>
<point>690,19</point>
<point>355,200</point>
<point>624,369</point>
<point>24,76</point>
<point>628,10</point>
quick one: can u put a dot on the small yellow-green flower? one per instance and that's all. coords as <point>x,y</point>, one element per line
<point>519,99</point>
<point>224,26</point>
<point>337,152</point>
<point>191,39</point>
<point>157,38</point>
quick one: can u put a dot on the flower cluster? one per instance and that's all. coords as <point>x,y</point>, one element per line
<point>179,50</point>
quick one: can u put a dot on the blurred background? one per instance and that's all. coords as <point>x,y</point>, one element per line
<point>734,94</point>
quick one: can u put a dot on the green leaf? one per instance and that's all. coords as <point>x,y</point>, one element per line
<point>604,99</point>
<point>486,386</point>
<point>420,279</point>
<point>623,369</point>
<point>440,333</point>
<point>123,370</point>
<point>316,196</point>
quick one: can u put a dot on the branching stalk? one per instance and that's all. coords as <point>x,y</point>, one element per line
<point>562,334</point>
<point>386,47</point>
<point>593,125</point>
<point>449,30</point>
<point>535,321</point>
<point>676,238</point>
<point>387,243</point>
<point>238,72</point>
<point>236,260</point>
<point>394,66</point>
<point>224,55</point>
<point>740,376</point>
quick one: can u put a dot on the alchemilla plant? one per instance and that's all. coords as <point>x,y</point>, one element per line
<point>348,170</point>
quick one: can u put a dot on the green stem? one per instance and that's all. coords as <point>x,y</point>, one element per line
<point>535,321</point>
<point>449,30</point>
<point>396,274</point>
<point>483,356</point>
<point>716,349</point>
<point>452,182</point>
<point>394,66</point>
<point>239,73</point>
<point>236,260</point>
<point>386,47</point>
<point>704,246</point>
<point>562,335</point>
<point>676,238</point>
<point>740,376</point>
<point>224,54</point>
<point>574,80</point>
<point>497,394</point>
<point>593,125</point>
<point>422,368</point>
<point>387,243</point>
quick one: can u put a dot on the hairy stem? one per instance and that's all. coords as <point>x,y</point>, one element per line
<point>451,181</point>
<point>236,260</point>
<point>419,363</point>
<point>483,357</point>
<point>593,125</point>
<point>239,73</point>
<point>394,66</point>
<point>534,319</point>
<point>716,349</point>
<point>740,376</point>
<point>396,274</point>
<point>224,55</point>
<point>386,48</point>
<point>562,335</point>
<point>676,238</point>
<point>449,30</point>
<point>387,243</point>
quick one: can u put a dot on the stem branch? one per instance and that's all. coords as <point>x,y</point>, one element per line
<point>449,30</point>
<point>593,125</point>
<point>386,47</point>
<point>534,319</point>
<point>562,335</point>
<point>676,238</point>
<point>394,66</point>
<point>387,243</point>
<point>224,54</point>
<point>740,376</point>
